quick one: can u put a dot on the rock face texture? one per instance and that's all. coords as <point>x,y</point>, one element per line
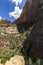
<point>33,45</point>
<point>30,11</point>
<point>29,14</point>
<point>8,31</point>
<point>16,60</point>
<point>5,23</point>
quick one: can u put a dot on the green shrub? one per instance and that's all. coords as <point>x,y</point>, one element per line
<point>38,62</point>
<point>7,54</point>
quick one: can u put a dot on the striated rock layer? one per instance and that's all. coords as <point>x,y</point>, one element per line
<point>8,32</point>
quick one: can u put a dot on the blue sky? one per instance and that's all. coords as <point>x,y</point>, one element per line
<point>11,9</point>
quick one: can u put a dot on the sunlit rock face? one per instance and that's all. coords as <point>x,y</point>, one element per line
<point>7,30</point>
<point>16,60</point>
<point>6,27</point>
<point>5,23</point>
<point>29,14</point>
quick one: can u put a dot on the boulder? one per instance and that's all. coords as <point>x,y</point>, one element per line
<point>1,64</point>
<point>16,60</point>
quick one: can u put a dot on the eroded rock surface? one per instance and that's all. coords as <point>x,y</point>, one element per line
<point>29,14</point>
<point>32,14</point>
<point>16,60</point>
<point>33,45</point>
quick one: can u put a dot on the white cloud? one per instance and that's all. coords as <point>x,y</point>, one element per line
<point>0,18</point>
<point>16,1</point>
<point>16,13</point>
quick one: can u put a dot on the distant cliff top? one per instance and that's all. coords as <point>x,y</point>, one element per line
<point>4,23</point>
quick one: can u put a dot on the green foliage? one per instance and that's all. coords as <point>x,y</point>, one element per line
<point>7,54</point>
<point>38,62</point>
<point>16,41</point>
<point>14,47</point>
<point>30,61</point>
<point>3,60</point>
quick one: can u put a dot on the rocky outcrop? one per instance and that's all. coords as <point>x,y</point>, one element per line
<point>16,60</point>
<point>29,14</point>
<point>33,45</point>
<point>30,11</point>
<point>5,23</point>
<point>8,32</point>
<point>6,27</point>
<point>32,14</point>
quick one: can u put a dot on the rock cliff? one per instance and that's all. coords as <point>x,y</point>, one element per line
<point>33,45</point>
<point>29,14</point>
<point>7,30</point>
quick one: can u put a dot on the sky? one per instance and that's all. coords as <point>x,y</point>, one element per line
<point>11,9</point>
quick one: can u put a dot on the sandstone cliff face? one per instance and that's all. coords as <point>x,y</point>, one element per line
<point>29,14</point>
<point>9,36</point>
<point>7,30</point>
<point>4,23</point>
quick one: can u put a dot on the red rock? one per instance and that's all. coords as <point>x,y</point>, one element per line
<point>4,23</point>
